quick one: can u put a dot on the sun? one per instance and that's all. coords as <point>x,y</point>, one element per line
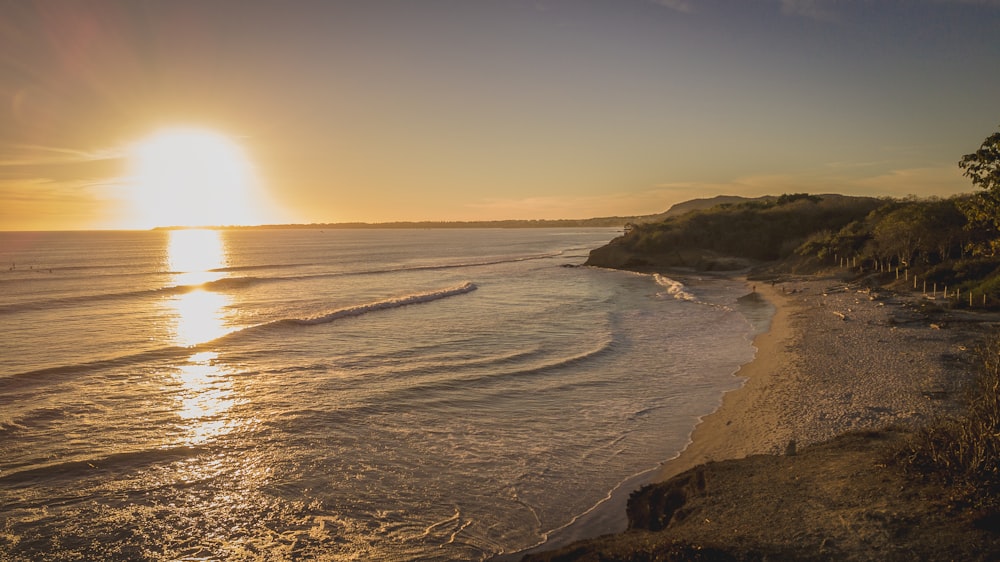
<point>187,176</point>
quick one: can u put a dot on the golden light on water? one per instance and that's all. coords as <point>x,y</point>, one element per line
<point>198,316</point>
<point>195,256</point>
<point>206,397</point>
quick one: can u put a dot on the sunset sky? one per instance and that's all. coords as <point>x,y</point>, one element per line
<point>376,110</point>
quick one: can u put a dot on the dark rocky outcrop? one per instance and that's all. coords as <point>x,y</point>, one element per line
<point>839,500</point>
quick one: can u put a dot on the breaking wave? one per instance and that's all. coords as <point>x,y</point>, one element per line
<point>396,302</point>
<point>674,288</point>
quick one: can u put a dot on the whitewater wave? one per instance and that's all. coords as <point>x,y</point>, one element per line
<point>36,377</point>
<point>396,302</point>
<point>243,282</point>
<point>674,288</point>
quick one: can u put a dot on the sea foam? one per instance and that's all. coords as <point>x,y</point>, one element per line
<point>674,288</point>
<point>396,302</point>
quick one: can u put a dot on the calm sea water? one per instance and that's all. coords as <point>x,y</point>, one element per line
<point>337,395</point>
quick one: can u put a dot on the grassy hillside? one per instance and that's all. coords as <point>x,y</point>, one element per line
<point>932,238</point>
<point>729,235</point>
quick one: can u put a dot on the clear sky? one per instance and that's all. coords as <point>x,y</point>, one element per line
<point>381,110</point>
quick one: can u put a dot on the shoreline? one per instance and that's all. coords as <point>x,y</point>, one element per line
<point>609,516</point>
<point>733,430</point>
<point>835,359</point>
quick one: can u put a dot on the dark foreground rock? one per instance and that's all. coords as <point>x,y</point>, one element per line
<point>840,500</point>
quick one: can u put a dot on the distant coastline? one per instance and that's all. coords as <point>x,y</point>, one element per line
<point>606,222</point>
<point>595,222</point>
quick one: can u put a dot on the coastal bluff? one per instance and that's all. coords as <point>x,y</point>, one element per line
<point>730,234</point>
<point>619,254</point>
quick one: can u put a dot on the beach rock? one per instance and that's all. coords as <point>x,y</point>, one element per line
<point>839,500</point>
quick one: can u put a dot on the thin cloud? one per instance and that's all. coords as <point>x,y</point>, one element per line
<point>36,155</point>
<point>987,3</point>
<point>824,11</point>
<point>682,6</point>
<point>35,203</point>
<point>810,9</point>
<point>922,182</point>
<point>619,204</point>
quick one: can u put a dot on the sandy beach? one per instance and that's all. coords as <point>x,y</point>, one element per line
<point>835,359</point>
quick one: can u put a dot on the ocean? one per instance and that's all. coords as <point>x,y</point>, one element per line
<point>307,394</point>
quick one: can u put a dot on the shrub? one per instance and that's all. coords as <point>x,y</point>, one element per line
<point>965,451</point>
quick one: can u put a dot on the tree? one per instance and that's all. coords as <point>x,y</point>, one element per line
<point>983,208</point>
<point>900,233</point>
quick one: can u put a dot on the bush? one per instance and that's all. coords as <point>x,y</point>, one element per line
<point>965,451</point>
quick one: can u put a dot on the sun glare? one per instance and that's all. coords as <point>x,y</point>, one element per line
<point>194,256</point>
<point>192,177</point>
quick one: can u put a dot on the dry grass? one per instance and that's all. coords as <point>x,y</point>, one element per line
<point>964,451</point>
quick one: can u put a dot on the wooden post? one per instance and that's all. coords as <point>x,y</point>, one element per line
<point>914,282</point>
<point>935,290</point>
<point>925,286</point>
<point>970,299</point>
<point>906,275</point>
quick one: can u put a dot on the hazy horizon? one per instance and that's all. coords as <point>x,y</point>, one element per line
<point>135,115</point>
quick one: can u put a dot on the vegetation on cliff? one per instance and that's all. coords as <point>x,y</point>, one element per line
<point>764,229</point>
<point>953,242</point>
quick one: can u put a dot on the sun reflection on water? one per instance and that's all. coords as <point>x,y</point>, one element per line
<point>202,387</point>
<point>206,398</point>
<point>200,317</point>
<point>196,256</point>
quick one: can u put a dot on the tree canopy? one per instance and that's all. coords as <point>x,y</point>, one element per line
<point>983,209</point>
